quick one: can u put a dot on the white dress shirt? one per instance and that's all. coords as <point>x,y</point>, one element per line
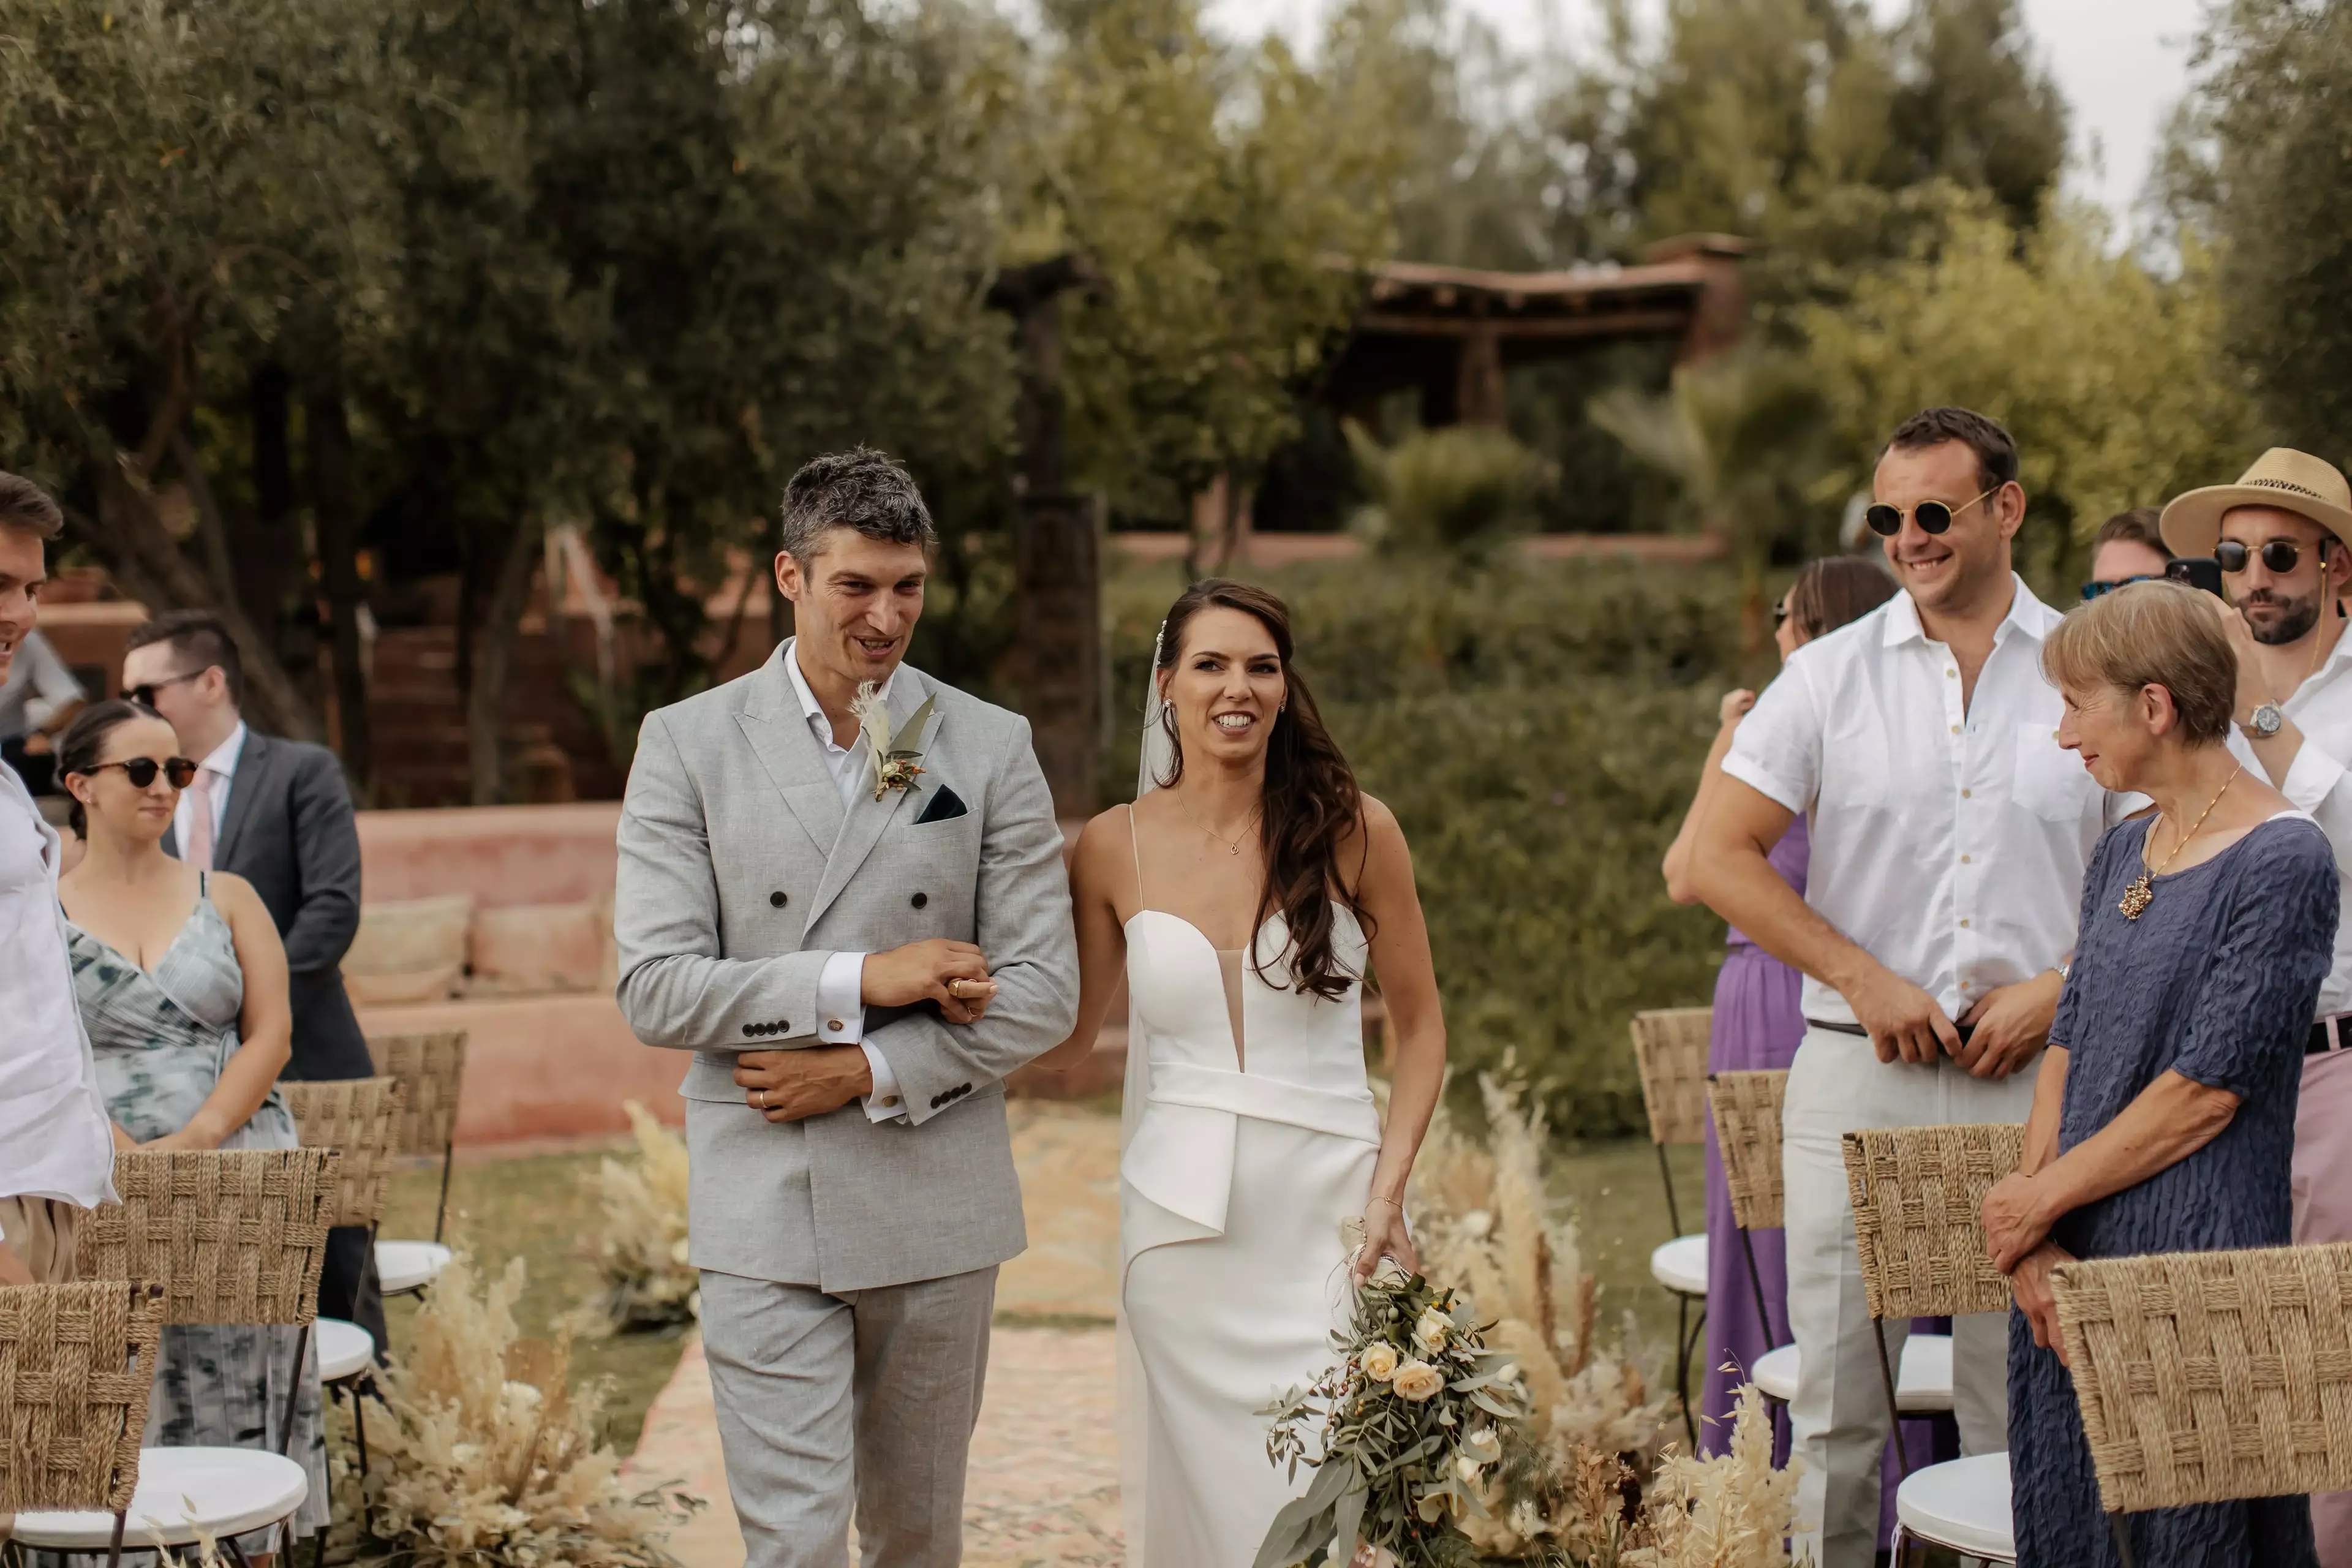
<point>221,770</point>
<point>2317,782</point>
<point>1949,844</point>
<point>54,1140</point>
<point>841,985</point>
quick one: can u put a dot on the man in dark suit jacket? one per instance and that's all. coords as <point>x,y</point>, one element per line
<point>277,813</point>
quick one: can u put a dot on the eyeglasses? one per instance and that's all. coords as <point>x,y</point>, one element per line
<point>178,772</point>
<point>2093,590</point>
<point>1779,614</point>
<point>144,695</point>
<point>2279,555</point>
<point>1932,516</point>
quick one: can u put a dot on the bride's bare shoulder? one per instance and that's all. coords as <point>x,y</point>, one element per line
<point>1105,846</point>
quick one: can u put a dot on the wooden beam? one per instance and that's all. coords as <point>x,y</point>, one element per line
<point>1614,323</point>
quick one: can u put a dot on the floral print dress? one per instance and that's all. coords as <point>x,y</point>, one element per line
<point>161,1040</point>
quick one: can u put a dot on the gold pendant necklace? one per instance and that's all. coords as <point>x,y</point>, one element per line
<point>2139,895</point>
<point>1231,847</point>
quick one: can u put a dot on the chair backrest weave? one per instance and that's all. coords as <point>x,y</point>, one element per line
<point>431,1068</point>
<point>2206,1376</point>
<point>234,1236</point>
<point>1918,1215</point>
<point>355,1117</point>
<point>1746,1107</point>
<point>77,1364</point>
<point>1670,1047</point>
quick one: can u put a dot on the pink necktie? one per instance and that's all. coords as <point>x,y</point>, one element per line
<point>198,850</point>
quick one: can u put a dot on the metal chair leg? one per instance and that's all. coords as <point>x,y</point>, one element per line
<point>114,1553</point>
<point>359,1391</point>
<point>1682,1367</point>
<point>2123,1540</point>
<point>449,1155</point>
<point>294,1394</point>
<point>1894,1410</point>
<point>1756,1283</point>
<point>1665,1175</point>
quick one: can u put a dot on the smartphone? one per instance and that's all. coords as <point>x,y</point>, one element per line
<point>2198,572</point>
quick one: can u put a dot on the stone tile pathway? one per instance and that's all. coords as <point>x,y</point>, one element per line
<point>1043,1490</point>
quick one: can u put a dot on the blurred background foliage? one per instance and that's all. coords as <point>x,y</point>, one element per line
<point>289,286</point>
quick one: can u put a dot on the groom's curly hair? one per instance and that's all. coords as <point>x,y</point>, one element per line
<point>862,489</point>
<point>1310,801</point>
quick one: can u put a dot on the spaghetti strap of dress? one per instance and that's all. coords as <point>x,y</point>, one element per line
<point>1135,849</point>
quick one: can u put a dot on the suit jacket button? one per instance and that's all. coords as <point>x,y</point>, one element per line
<point>920,899</point>
<point>751,1029</point>
<point>777,900</point>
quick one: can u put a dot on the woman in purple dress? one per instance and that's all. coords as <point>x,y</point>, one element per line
<point>1757,1023</point>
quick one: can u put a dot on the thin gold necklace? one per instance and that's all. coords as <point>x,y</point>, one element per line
<point>2139,895</point>
<point>1231,847</point>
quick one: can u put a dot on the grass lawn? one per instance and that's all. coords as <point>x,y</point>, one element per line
<point>540,1207</point>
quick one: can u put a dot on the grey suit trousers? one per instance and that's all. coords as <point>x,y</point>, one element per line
<point>819,1395</point>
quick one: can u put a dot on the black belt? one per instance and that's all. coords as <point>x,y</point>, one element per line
<point>1965,1029</point>
<point>2327,1035</point>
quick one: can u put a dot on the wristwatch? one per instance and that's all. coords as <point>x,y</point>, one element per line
<point>2266,722</point>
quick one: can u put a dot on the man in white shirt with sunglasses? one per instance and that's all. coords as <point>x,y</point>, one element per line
<point>1950,834</point>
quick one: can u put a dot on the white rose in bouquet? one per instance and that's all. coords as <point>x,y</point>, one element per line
<point>1485,1444</point>
<point>1418,1381</point>
<point>1430,1332</point>
<point>1380,1360</point>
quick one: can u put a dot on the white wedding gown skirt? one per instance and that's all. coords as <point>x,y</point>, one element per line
<point>1247,1158</point>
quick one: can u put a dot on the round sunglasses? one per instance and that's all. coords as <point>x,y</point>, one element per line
<point>1932,516</point>
<point>2279,555</point>
<point>144,695</point>
<point>178,772</point>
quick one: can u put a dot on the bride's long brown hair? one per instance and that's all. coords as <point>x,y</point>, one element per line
<point>1310,801</point>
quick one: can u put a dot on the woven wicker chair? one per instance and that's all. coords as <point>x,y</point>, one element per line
<point>2211,1376</point>
<point>431,1070</point>
<point>1747,1108</point>
<point>355,1117</point>
<point>77,1365</point>
<point>83,1490</point>
<point>1670,1049</point>
<point>1918,1223</point>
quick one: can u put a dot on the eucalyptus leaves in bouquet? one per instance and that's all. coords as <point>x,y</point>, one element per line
<point>1407,1434</point>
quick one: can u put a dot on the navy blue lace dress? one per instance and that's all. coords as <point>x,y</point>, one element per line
<point>2216,981</point>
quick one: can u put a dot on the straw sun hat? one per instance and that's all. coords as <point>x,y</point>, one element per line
<point>2281,478</point>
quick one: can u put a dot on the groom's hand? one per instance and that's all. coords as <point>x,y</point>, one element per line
<point>792,1086</point>
<point>951,974</point>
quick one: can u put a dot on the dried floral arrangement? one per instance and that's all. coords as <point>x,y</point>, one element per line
<point>1734,1511</point>
<point>647,1280</point>
<point>1402,1432</point>
<point>487,1457</point>
<point>1483,1217</point>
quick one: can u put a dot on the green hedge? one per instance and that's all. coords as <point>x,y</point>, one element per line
<point>1537,728</point>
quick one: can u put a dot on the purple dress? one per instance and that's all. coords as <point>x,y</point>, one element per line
<point>1757,1027</point>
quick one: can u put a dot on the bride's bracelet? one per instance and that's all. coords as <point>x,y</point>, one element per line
<point>1391,1202</point>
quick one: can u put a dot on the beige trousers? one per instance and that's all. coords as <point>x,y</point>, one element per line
<point>41,1232</point>
<point>2322,1213</point>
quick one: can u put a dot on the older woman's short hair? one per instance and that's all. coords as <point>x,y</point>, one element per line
<point>2152,634</point>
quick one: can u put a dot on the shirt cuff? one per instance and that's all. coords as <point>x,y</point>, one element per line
<point>885,1104</point>
<point>840,1000</point>
<point>1756,777</point>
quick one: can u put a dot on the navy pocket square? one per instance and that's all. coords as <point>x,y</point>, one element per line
<point>944,806</point>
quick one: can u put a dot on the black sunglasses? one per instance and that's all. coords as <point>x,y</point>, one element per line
<point>179,772</point>
<point>1932,516</point>
<point>2093,590</point>
<point>145,695</point>
<point>1779,614</point>
<point>2280,555</point>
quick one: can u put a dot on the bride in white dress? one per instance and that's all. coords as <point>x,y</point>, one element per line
<point>1243,897</point>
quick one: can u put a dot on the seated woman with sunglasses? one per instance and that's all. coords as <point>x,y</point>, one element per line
<point>182,984</point>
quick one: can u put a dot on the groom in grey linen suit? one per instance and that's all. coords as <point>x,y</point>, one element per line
<point>856,978</point>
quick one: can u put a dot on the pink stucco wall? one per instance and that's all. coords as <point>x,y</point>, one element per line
<point>500,854</point>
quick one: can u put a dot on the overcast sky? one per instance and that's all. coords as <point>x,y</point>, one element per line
<point>2121,63</point>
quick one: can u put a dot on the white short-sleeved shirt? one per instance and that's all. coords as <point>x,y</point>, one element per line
<point>2317,782</point>
<point>1949,844</point>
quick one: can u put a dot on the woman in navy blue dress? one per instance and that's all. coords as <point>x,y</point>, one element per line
<point>2164,1117</point>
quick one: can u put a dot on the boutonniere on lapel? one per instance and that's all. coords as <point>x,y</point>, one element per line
<point>896,760</point>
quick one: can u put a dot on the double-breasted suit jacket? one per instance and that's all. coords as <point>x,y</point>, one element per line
<point>741,872</point>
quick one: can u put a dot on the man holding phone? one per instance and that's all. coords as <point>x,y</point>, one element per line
<point>2278,540</point>
<point>1950,836</point>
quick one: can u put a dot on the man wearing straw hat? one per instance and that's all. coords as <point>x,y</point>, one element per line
<point>2283,535</point>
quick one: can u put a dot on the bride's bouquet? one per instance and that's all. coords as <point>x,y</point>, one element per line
<point>1407,1434</point>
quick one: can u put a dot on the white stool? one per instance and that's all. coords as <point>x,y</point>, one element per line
<point>1962,1505</point>
<point>1923,1387</point>
<point>219,1492</point>
<point>345,1349</point>
<point>404,1267</point>
<point>1680,1265</point>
